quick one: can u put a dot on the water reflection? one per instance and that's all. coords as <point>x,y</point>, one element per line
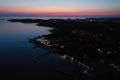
<point>81,69</point>
<point>58,58</point>
<point>63,57</point>
<point>16,53</point>
<point>102,64</point>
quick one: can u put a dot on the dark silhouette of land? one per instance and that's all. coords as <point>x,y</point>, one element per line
<point>92,41</point>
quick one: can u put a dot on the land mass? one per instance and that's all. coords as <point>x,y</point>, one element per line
<point>85,39</point>
<point>90,35</point>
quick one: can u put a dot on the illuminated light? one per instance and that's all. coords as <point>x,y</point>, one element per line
<point>56,44</point>
<point>49,45</point>
<point>117,67</point>
<point>72,59</point>
<point>99,49</point>
<point>63,57</point>
<point>62,46</point>
<point>108,52</point>
<point>45,41</point>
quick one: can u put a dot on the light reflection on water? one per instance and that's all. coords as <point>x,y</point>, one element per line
<point>19,58</point>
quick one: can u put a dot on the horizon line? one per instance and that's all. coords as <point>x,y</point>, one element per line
<point>55,15</point>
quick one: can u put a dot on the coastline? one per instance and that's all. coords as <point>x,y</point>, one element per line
<point>89,40</point>
<point>98,33</point>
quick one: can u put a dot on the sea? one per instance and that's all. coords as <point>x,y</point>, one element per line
<point>19,58</point>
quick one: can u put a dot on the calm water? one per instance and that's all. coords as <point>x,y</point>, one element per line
<point>16,54</point>
<point>18,57</point>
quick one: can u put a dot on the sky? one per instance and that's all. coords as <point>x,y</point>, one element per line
<point>60,7</point>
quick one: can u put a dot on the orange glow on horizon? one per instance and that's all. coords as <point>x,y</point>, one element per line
<point>59,11</point>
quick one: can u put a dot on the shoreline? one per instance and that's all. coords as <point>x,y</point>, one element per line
<point>98,33</point>
<point>85,39</point>
<point>94,42</point>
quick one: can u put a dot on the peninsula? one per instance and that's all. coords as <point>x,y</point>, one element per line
<point>88,40</point>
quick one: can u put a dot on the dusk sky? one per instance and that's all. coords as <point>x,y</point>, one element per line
<point>60,7</point>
